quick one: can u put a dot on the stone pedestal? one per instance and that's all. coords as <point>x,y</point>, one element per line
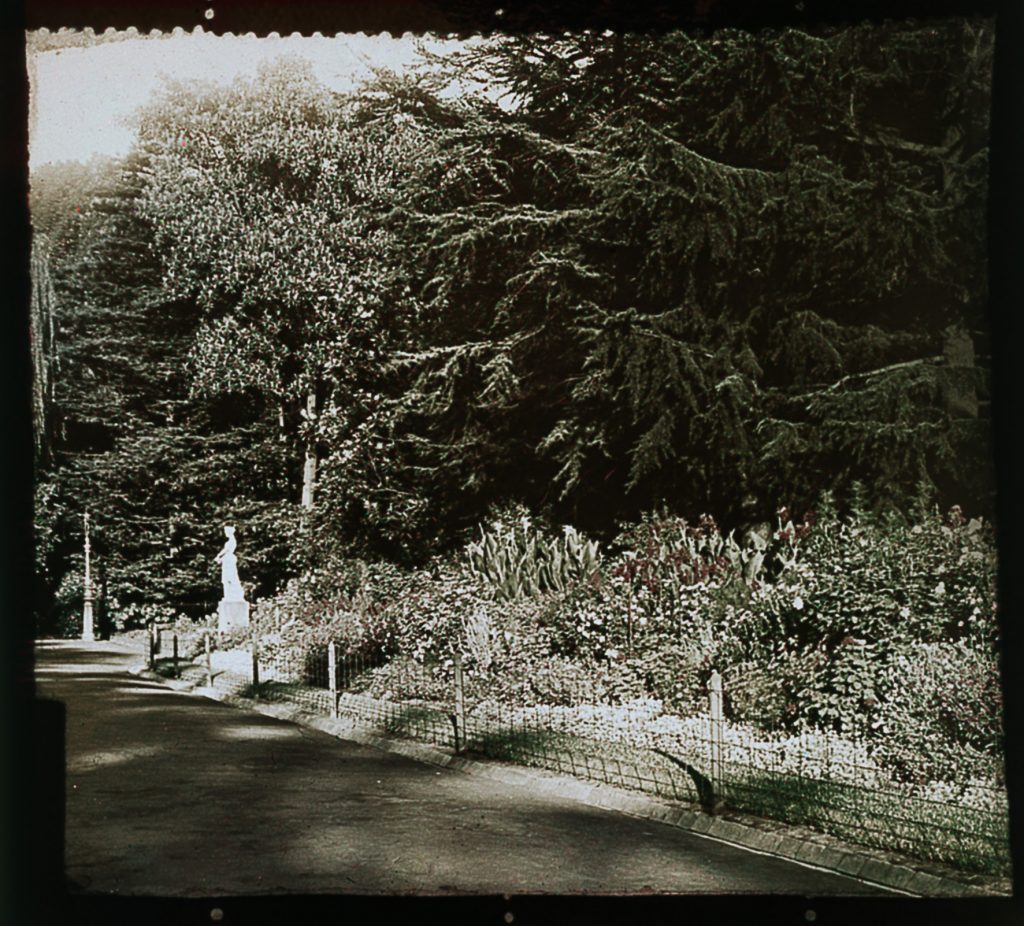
<point>88,632</point>
<point>232,614</point>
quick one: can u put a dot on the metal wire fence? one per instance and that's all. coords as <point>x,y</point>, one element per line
<point>848,786</point>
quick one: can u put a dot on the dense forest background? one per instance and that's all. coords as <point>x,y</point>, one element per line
<point>694,275</point>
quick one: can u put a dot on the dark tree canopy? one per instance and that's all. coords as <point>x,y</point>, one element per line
<point>694,273</point>
<point>719,273</point>
<point>154,467</point>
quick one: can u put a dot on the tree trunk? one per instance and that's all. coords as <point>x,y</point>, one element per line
<point>41,335</point>
<point>958,376</point>
<point>309,469</point>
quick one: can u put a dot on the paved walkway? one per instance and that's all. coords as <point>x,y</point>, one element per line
<point>172,794</point>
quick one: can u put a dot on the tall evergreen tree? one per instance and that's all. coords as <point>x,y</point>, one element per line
<point>703,272</point>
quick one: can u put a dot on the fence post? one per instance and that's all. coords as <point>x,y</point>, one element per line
<point>715,707</point>
<point>255,638</point>
<point>332,677</point>
<point>629,624</point>
<point>152,645</point>
<point>174,642</point>
<point>209,662</point>
<point>460,706</point>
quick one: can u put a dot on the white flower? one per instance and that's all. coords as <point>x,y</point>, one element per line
<point>904,611</point>
<point>798,603</point>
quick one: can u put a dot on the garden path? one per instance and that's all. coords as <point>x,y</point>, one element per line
<point>175,795</point>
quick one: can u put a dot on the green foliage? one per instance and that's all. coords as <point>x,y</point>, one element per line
<point>303,311</point>
<point>626,298</point>
<point>922,695</point>
<point>517,560</point>
<point>816,646</point>
<point>842,694</point>
<point>808,643</point>
<point>680,274</point>
<point>42,334</point>
<point>405,679</point>
<point>884,578</point>
<point>68,602</point>
<point>606,298</point>
<point>666,553</point>
<point>940,703</point>
<point>349,602</point>
<point>676,674</point>
<point>232,639</point>
<point>676,587</point>
<point>134,616</point>
<point>438,602</point>
<point>60,199</point>
<point>156,469</point>
<point>558,681</point>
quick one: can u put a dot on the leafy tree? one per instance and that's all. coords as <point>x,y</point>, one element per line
<point>156,469</point>
<point>266,196</point>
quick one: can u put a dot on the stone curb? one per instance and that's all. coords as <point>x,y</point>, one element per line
<point>847,860</point>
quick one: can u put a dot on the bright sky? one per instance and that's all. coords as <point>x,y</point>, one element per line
<point>81,97</point>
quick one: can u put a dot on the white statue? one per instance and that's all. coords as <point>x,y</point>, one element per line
<point>233,590</point>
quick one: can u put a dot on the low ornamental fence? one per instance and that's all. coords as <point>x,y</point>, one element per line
<point>847,786</point>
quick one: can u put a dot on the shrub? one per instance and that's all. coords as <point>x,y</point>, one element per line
<point>842,694</point>
<point>768,694</point>
<point>191,642</point>
<point>350,603</point>
<point>430,616</point>
<point>673,585</point>
<point>235,638</point>
<point>517,560</point>
<point>675,674</point>
<point>805,623</point>
<point>666,558</point>
<point>405,679</point>
<point>548,679</point>
<point>941,712</point>
<point>136,616</point>
<point>590,620</point>
<point>856,590</point>
<point>879,578</point>
<point>67,606</point>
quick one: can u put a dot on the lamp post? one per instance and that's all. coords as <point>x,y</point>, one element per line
<point>87,628</point>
